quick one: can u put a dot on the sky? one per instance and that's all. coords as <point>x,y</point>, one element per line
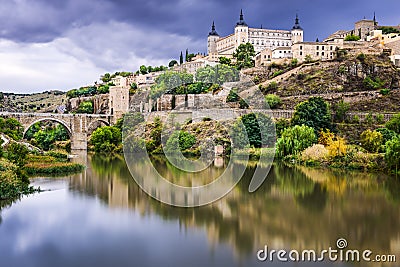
<point>65,44</point>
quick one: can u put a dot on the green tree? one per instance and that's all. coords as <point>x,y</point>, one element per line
<point>386,134</point>
<point>352,37</point>
<point>106,77</point>
<point>106,139</point>
<point>143,69</point>
<point>394,124</point>
<point>181,59</point>
<point>315,113</point>
<point>371,140</point>
<point>12,128</point>
<point>294,140</point>
<point>172,63</point>
<point>179,140</point>
<point>86,107</point>
<point>187,55</point>
<point>244,56</point>
<point>17,154</point>
<point>225,61</point>
<point>218,74</point>
<point>392,154</point>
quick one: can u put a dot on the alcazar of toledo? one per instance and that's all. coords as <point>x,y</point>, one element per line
<point>279,45</point>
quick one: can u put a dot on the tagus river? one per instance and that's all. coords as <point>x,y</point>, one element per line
<point>101,218</point>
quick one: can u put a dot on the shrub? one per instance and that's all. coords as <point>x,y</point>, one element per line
<point>373,83</point>
<point>86,107</point>
<point>179,140</point>
<point>361,57</point>
<point>352,37</point>
<point>280,125</point>
<point>369,119</point>
<point>326,137</point>
<point>273,101</point>
<point>294,140</point>
<point>316,152</point>
<point>385,91</point>
<point>17,153</point>
<point>371,140</point>
<point>338,147</point>
<point>380,118</point>
<point>392,154</point>
<point>356,119</point>
<point>106,139</point>
<point>386,134</point>
<point>277,73</point>
<point>341,110</point>
<point>394,124</point>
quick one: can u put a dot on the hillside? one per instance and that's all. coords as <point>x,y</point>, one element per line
<point>358,80</point>
<point>40,102</point>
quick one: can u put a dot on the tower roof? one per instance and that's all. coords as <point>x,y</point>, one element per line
<point>241,21</point>
<point>297,24</point>
<point>213,32</point>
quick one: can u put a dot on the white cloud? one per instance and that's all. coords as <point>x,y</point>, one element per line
<point>81,55</point>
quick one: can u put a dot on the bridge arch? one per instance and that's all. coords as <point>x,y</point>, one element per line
<point>63,123</point>
<point>95,124</point>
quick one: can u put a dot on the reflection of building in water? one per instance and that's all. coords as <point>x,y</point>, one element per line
<point>290,210</point>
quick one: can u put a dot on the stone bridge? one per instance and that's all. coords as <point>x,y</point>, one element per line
<point>78,126</point>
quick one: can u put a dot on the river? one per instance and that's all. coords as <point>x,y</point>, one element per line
<point>102,218</point>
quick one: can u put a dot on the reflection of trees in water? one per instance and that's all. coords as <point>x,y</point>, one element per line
<point>293,208</point>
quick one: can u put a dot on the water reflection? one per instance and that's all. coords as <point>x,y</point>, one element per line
<point>296,207</point>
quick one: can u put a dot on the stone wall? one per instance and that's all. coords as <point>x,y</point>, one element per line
<point>100,103</point>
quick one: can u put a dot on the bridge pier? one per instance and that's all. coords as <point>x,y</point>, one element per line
<point>79,141</point>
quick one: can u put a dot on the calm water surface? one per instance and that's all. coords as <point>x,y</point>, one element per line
<point>101,218</point>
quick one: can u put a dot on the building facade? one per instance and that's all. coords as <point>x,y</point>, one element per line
<point>260,38</point>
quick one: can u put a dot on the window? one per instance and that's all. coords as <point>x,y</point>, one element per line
<point>323,48</point>
<point>301,53</point>
<point>331,47</point>
<point>317,47</point>
<point>322,54</point>
<point>301,47</point>
<point>317,53</point>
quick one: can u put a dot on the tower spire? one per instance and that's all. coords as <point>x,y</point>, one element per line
<point>296,23</point>
<point>213,31</point>
<point>241,21</point>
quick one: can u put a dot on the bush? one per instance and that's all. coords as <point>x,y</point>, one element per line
<point>373,83</point>
<point>341,110</point>
<point>386,134</point>
<point>392,154</point>
<point>294,140</point>
<point>273,101</point>
<point>86,107</point>
<point>385,91</point>
<point>352,37</point>
<point>371,140</point>
<point>338,147</point>
<point>280,125</point>
<point>394,124</point>
<point>17,153</point>
<point>326,137</point>
<point>316,153</point>
<point>315,113</point>
<point>380,118</point>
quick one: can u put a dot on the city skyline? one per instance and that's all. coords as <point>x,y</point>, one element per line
<point>46,45</point>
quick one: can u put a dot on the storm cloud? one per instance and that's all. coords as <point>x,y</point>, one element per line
<point>47,44</point>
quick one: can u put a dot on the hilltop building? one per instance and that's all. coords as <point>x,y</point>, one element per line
<point>260,38</point>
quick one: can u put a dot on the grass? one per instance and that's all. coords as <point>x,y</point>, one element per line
<point>50,165</point>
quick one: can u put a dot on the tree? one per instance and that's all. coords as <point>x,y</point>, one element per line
<point>394,124</point>
<point>181,140</point>
<point>181,59</point>
<point>106,78</point>
<point>190,57</point>
<point>11,127</point>
<point>172,63</point>
<point>315,113</point>
<point>225,61</point>
<point>244,56</point>
<point>17,154</point>
<point>218,74</point>
<point>259,128</point>
<point>86,107</point>
<point>387,30</point>
<point>106,139</point>
<point>187,55</point>
<point>294,140</point>
<point>352,37</point>
<point>392,154</point>
<point>143,69</point>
